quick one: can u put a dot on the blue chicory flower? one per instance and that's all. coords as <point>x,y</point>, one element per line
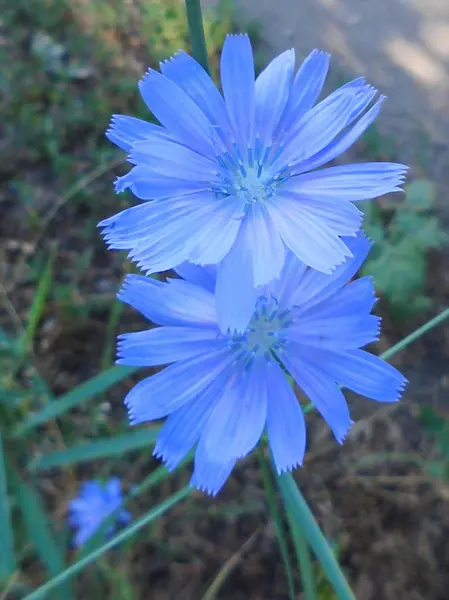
<point>222,391</point>
<point>232,178</point>
<point>93,504</point>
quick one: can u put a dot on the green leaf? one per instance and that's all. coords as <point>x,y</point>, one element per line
<point>277,520</point>
<point>8,561</point>
<point>303,558</point>
<point>301,513</point>
<point>39,530</point>
<point>100,448</point>
<point>399,271</point>
<point>420,195</point>
<point>425,230</point>
<point>127,533</point>
<point>38,305</point>
<point>79,395</point>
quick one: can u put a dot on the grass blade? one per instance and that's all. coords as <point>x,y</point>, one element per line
<point>303,559</point>
<point>102,448</point>
<point>8,561</point>
<point>196,31</point>
<point>79,395</point>
<point>128,532</point>
<point>228,567</point>
<point>38,305</point>
<point>301,513</point>
<point>39,532</point>
<point>270,494</point>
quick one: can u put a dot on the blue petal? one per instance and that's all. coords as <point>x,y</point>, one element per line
<point>238,419</point>
<point>164,345</point>
<point>83,534</point>
<point>342,143</point>
<point>235,293</point>
<point>209,476</point>
<point>205,277</point>
<point>148,185</point>
<point>350,182</point>
<point>184,426</point>
<point>306,88</point>
<point>355,298</point>
<point>338,332</point>
<point>177,112</point>
<point>361,372</point>
<point>306,234</point>
<point>163,234</point>
<point>318,127</point>
<point>316,287</point>
<point>175,302</point>
<point>323,393</point>
<point>163,393</point>
<point>272,93</point>
<point>170,159</point>
<point>285,422</point>
<point>237,81</point>
<point>125,131</point>
<point>261,240</point>
<point>190,76</point>
<point>338,214</point>
<point>291,276</point>
<point>215,235</point>
<point>114,489</point>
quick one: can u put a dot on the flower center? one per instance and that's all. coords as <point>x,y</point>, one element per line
<point>251,187</point>
<point>250,178</point>
<point>266,330</point>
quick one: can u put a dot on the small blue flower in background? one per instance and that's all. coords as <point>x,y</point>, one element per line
<point>222,391</point>
<point>232,178</point>
<point>93,504</point>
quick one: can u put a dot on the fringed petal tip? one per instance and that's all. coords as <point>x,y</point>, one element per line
<point>341,435</point>
<point>289,468</point>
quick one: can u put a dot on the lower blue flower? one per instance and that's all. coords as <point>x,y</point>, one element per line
<point>221,391</point>
<point>94,503</point>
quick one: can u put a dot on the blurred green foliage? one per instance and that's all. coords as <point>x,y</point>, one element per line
<point>71,64</point>
<point>403,234</point>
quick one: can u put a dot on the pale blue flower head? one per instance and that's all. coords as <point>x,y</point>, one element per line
<point>221,391</point>
<point>232,178</point>
<point>93,504</point>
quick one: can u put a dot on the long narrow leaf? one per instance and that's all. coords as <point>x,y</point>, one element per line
<point>300,511</point>
<point>38,305</point>
<point>79,395</point>
<point>102,448</point>
<point>128,532</point>
<point>270,494</point>
<point>303,558</point>
<point>8,561</point>
<point>39,532</point>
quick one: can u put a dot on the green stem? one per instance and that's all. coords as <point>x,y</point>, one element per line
<point>196,30</point>
<point>303,516</point>
<point>270,494</point>
<point>415,334</point>
<point>303,558</point>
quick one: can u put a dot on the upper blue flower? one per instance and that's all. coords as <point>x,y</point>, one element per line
<point>232,178</point>
<point>223,390</point>
<point>93,504</point>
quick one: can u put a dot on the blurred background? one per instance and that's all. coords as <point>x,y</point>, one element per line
<point>383,498</point>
